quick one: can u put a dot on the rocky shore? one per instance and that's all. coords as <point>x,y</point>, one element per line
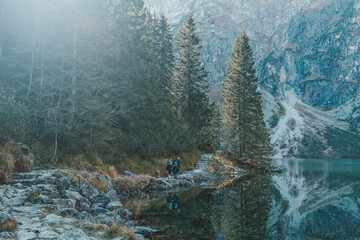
<point>66,204</point>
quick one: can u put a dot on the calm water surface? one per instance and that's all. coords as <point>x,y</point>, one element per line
<point>311,199</point>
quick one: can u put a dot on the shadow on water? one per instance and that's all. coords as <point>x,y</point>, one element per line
<point>238,211</point>
<point>311,199</point>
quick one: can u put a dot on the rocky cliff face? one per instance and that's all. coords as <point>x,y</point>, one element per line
<point>307,60</point>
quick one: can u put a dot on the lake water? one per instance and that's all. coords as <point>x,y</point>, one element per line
<point>311,199</point>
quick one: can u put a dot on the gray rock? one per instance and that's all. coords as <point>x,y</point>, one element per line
<point>43,199</point>
<point>103,219</point>
<point>72,195</point>
<point>25,235</point>
<point>69,212</point>
<point>129,174</point>
<point>145,230</point>
<point>87,190</point>
<point>84,215</point>
<point>53,220</point>
<point>99,211</point>
<point>3,217</point>
<point>6,235</point>
<point>102,199</point>
<point>139,237</point>
<point>48,235</point>
<point>74,234</point>
<point>114,205</point>
<point>85,207</point>
<point>64,203</point>
<point>64,183</point>
<point>112,195</point>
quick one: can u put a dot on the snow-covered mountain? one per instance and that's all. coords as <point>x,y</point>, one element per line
<point>307,55</point>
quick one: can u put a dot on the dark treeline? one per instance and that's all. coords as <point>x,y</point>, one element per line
<point>101,77</point>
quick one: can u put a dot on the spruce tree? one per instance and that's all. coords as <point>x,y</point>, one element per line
<point>191,86</point>
<point>165,58</point>
<point>245,133</point>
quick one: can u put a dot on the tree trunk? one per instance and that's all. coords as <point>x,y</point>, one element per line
<point>33,47</point>
<point>73,84</point>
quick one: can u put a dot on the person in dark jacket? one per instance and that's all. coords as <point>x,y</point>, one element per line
<point>176,167</point>
<point>169,166</point>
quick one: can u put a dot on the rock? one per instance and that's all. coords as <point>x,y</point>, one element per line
<point>43,199</point>
<point>129,174</point>
<point>6,235</point>
<point>112,195</point>
<point>114,205</point>
<point>84,215</point>
<point>87,190</point>
<point>145,230</point>
<point>72,195</point>
<point>64,203</point>
<point>3,218</point>
<point>64,183</point>
<point>103,219</point>
<point>124,213</point>
<point>96,211</point>
<point>74,234</point>
<point>25,235</point>
<point>48,235</point>
<point>53,220</point>
<point>102,200</point>
<point>139,237</point>
<point>85,207</point>
<point>69,212</point>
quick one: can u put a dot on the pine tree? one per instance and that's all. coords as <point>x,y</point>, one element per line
<point>245,133</point>
<point>165,58</point>
<point>190,86</point>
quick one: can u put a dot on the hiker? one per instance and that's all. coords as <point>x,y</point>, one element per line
<point>176,167</point>
<point>169,166</point>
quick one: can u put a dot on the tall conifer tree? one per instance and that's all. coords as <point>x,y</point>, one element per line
<point>191,86</point>
<point>245,133</point>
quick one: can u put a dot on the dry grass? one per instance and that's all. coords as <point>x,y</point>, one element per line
<point>14,158</point>
<point>132,183</point>
<point>98,183</point>
<point>57,175</point>
<point>9,225</point>
<point>32,196</point>
<point>96,228</point>
<point>120,231</point>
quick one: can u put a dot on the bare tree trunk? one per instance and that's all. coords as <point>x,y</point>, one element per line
<point>40,93</point>
<point>56,137</point>
<point>33,47</point>
<point>73,84</point>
